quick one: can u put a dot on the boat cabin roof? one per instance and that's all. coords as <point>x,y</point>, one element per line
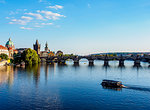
<point>111,81</point>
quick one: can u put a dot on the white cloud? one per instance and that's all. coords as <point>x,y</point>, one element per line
<point>11,23</point>
<point>18,21</point>
<point>27,18</point>
<point>51,15</point>
<point>26,28</point>
<point>35,18</point>
<point>7,17</point>
<point>46,23</point>
<point>56,7</point>
<point>25,10</point>
<point>23,21</point>
<point>37,15</point>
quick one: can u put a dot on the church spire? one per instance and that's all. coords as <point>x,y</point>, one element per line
<point>37,42</point>
<point>46,47</point>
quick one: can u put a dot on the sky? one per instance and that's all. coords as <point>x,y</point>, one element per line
<point>77,26</point>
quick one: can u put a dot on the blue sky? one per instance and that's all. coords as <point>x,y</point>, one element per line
<point>77,26</point>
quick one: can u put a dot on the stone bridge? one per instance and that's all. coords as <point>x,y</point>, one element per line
<point>76,59</point>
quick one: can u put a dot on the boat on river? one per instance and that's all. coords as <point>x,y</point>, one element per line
<point>112,83</point>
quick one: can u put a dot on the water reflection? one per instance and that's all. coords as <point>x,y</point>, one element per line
<point>112,88</point>
<point>35,70</point>
<point>7,75</point>
<point>46,72</point>
<point>50,70</point>
<point>77,88</point>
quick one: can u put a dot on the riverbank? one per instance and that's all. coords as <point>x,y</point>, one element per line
<point>3,63</point>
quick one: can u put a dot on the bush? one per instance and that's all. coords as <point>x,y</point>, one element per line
<point>4,56</point>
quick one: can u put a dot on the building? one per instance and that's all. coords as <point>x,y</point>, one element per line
<point>10,44</point>
<point>37,47</point>
<point>21,50</point>
<point>11,48</point>
<point>46,47</point>
<point>51,54</point>
<point>46,52</point>
<point>4,50</point>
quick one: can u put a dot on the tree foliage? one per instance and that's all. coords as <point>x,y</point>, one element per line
<point>4,56</point>
<point>30,56</point>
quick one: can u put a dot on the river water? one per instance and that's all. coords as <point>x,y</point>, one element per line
<point>70,87</point>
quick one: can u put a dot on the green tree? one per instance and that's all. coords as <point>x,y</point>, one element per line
<point>17,58</point>
<point>30,56</point>
<point>4,56</point>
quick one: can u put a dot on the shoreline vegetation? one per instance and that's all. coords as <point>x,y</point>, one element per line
<point>28,57</point>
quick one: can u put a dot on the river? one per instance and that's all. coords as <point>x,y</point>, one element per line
<point>69,87</point>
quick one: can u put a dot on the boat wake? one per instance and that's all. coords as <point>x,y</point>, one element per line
<point>139,88</point>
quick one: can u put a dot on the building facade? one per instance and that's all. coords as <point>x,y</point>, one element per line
<point>11,48</point>
<point>4,50</point>
<point>46,52</point>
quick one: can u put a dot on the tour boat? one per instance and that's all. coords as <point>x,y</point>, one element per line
<point>112,83</point>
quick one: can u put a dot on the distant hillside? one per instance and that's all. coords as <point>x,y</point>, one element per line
<point>123,53</point>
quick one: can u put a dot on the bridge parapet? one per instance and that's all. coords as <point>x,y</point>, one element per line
<point>137,59</point>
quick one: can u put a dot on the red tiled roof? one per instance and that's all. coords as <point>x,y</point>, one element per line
<point>10,48</point>
<point>15,50</point>
<point>2,47</point>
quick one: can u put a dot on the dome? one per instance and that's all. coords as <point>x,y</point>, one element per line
<point>9,44</point>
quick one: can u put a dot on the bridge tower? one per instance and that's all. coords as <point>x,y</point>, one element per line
<point>37,47</point>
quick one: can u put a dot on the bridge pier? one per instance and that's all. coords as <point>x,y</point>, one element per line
<point>91,62</point>
<point>137,63</point>
<point>121,62</point>
<point>106,63</point>
<point>49,61</point>
<point>76,62</point>
<point>61,62</point>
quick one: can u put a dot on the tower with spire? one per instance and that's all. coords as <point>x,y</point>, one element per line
<point>10,44</point>
<point>46,47</point>
<point>37,47</point>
